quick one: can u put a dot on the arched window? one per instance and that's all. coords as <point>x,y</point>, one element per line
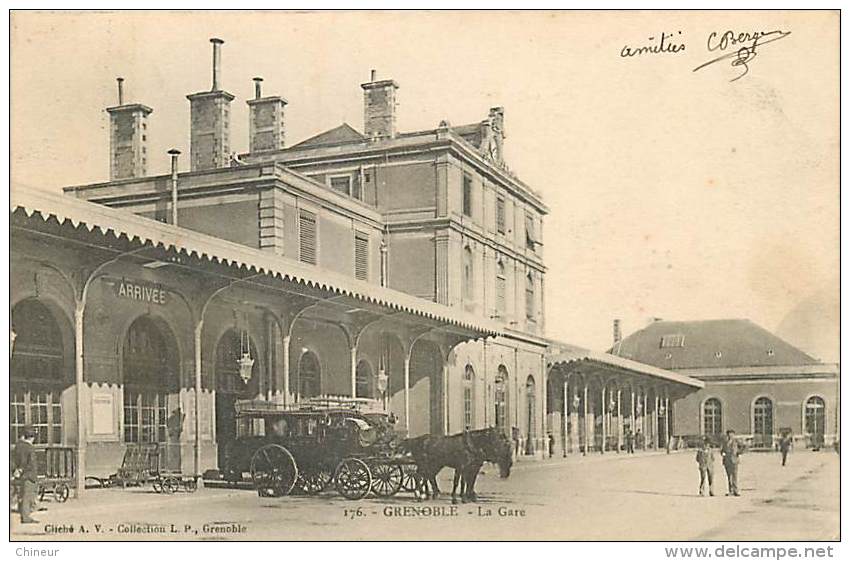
<point>468,397</point>
<point>500,397</point>
<point>468,274</point>
<point>309,375</point>
<point>227,354</point>
<point>815,416</point>
<point>37,370</point>
<point>763,422</point>
<point>529,297</point>
<point>712,417</point>
<point>150,372</point>
<point>363,380</point>
<point>531,402</point>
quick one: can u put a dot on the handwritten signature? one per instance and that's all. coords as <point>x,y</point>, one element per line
<point>743,55</point>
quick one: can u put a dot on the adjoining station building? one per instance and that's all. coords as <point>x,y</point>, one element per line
<point>406,268</point>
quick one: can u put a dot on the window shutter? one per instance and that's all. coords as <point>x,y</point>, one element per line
<point>361,256</point>
<point>307,237</point>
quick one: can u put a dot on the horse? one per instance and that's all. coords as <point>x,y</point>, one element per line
<point>464,452</point>
<point>491,445</point>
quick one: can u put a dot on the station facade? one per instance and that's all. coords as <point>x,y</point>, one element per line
<point>405,268</point>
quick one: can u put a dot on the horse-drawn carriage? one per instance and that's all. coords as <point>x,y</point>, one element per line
<point>315,444</point>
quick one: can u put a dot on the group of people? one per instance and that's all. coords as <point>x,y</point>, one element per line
<point>730,451</point>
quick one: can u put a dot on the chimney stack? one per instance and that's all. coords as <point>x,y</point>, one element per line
<point>266,121</point>
<point>210,121</point>
<point>379,113</point>
<point>174,152</point>
<point>128,138</point>
<point>618,336</point>
<point>216,63</point>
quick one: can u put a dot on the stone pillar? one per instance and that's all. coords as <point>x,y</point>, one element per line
<point>643,420</point>
<point>287,396</point>
<point>655,421</point>
<point>198,331</point>
<point>564,422</point>
<point>604,421</point>
<point>80,483</point>
<point>619,420</point>
<point>444,380</point>
<point>586,427</point>
<point>354,371</point>
<point>407,394</point>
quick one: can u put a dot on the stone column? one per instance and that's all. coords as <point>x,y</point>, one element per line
<point>354,371</point>
<point>287,396</point>
<point>198,331</point>
<point>586,427</point>
<point>80,483</point>
<point>619,420</point>
<point>604,421</point>
<point>643,422</point>
<point>564,422</point>
<point>407,394</point>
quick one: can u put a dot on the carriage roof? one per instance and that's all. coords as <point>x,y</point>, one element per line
<point>350,407</point>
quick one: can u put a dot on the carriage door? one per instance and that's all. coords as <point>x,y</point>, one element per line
<point>230,386</point>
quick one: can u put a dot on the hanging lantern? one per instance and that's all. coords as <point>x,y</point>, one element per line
<point>245,362</point>
<point>576,401</point>
<point>382,380</point>
<point>661,408</point>
<point>639,408</point>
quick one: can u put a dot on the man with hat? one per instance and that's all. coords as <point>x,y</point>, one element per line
<point>24,465</point>
<point>730,452</point>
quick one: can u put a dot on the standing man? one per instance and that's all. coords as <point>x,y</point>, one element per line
<point>705,461</point>
<point>785,446</point>
<point>731,451</point>
<point>24,466</point>
<point>630,442</point>
<point>515,438</point>
<point>551,444</point>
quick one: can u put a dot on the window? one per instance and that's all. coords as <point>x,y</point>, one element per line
<point>763,422</point>
<point>468,397</point>
<point>500,215</point>
<point>342,185</point>
<point>363,379</point>
<point>530,236</point>
<point>467,195</point>
<point>37,407</point>
<point>36,371</point>
<point>669,341</point>
<point>361,256</point>
<point>712,417</point>
<point>815,416</point>
<point>307,237</point>
<point>501,289</point>
<point>309,375</point>
<point>500,397</point>
<point>468,274</point>
<point>145,416</point>
<point>529,297</point>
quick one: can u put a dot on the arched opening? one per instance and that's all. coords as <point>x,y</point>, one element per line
<point>37,373</point>
<point>231,386</point>
<point>815,420</point>
<point>150,366</point>
<point>468,397</point>
<point>763,423</point>
<point>712,417</point>
<point>309,375</point>
<point>364,386</point>
<point>426,367</point>
<point>531,415</point>
<point>500,399</point>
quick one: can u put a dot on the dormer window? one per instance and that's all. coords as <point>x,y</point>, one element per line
<point>670,341</point>
<point>341,184</point>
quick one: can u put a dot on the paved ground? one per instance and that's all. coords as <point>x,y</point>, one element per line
<point>643,497</point>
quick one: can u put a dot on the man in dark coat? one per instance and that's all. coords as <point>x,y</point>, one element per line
<point>730,451</point>
<point>785,446</point>
<point>24,465</point>
<point>705,461</point>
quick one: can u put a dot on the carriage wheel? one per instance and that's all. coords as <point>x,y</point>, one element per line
<point>409,479</point>
<point>61,492</point>
<point>273,471</point>
<point>353,479</point>
<point>170,485</point>
<point>386,479</point>
<point>157,486</point>
<point>315,481</point>
<point>41,492</point>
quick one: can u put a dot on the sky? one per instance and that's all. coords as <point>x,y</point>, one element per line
<point>673,193</point>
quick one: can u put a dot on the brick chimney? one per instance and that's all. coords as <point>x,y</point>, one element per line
<point>266,120</point>
<point>210,121</point>
<point>128,138</point>
<point>618,335</point>
<point>379,103</point>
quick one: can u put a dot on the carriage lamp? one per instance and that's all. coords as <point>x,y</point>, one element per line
<point>382,381</point>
